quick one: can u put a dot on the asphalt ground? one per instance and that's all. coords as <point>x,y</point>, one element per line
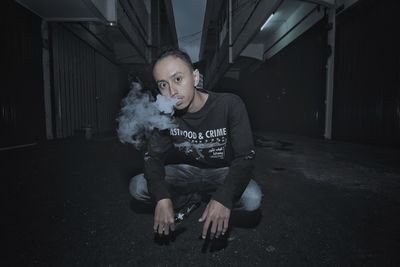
<point>326,203</point>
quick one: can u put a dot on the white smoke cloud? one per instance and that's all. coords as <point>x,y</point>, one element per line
<point>139,115</point>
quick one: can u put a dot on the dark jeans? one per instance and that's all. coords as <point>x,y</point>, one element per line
<point>187,182</point>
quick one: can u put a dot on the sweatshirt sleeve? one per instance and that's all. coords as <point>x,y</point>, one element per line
<point>154,171</point>
<point>242,166</point>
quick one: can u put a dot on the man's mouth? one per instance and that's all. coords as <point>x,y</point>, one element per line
<point>179,101</point>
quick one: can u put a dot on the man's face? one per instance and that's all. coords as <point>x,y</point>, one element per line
<point>175,79</point>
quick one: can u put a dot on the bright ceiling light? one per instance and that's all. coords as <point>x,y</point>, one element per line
<point>266,22</point>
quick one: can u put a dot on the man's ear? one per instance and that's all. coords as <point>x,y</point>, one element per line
<point>196,75</point>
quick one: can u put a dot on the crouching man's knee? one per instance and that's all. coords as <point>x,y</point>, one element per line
<point>138,188</point>
<point>251,197</point>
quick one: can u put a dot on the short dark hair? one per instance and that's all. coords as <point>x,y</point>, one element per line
<point>175,52</point>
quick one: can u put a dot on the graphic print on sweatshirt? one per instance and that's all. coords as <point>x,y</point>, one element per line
<point>210,143</point>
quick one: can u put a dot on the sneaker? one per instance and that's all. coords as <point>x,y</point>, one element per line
<point>230,235</point>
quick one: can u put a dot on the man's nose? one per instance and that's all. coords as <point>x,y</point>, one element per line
<point>173,90</point>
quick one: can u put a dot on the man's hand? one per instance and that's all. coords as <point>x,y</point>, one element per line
<point>217,215</point>
<point>164,217</point>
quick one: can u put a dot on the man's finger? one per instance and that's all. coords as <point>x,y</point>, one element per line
<point>219,228</point>
<point>205,229</point>
<point>160,228</point>
<point>225,228</point>
<point>214,225</point>
<point>204,216</point>
<point>166,229</point>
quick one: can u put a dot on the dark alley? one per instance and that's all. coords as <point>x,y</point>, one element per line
<point>200,133</point>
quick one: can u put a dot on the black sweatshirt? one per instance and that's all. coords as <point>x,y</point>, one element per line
<point>218,135</point>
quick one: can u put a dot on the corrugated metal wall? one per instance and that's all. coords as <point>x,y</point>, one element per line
<point>21,91</point>
<point>87,87</point>
<point>286,94</point>
<point>367,74</point>
<point>111,86</point>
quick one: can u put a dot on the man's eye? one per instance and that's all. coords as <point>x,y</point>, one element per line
<point>178,79</point>
<point>162,85</point>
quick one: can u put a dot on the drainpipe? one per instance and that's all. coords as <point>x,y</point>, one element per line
<point>230,32</point>
<point>330,66</point>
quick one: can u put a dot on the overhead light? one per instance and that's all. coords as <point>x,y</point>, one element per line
<point>111,24</point>
<point>266,22</point>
